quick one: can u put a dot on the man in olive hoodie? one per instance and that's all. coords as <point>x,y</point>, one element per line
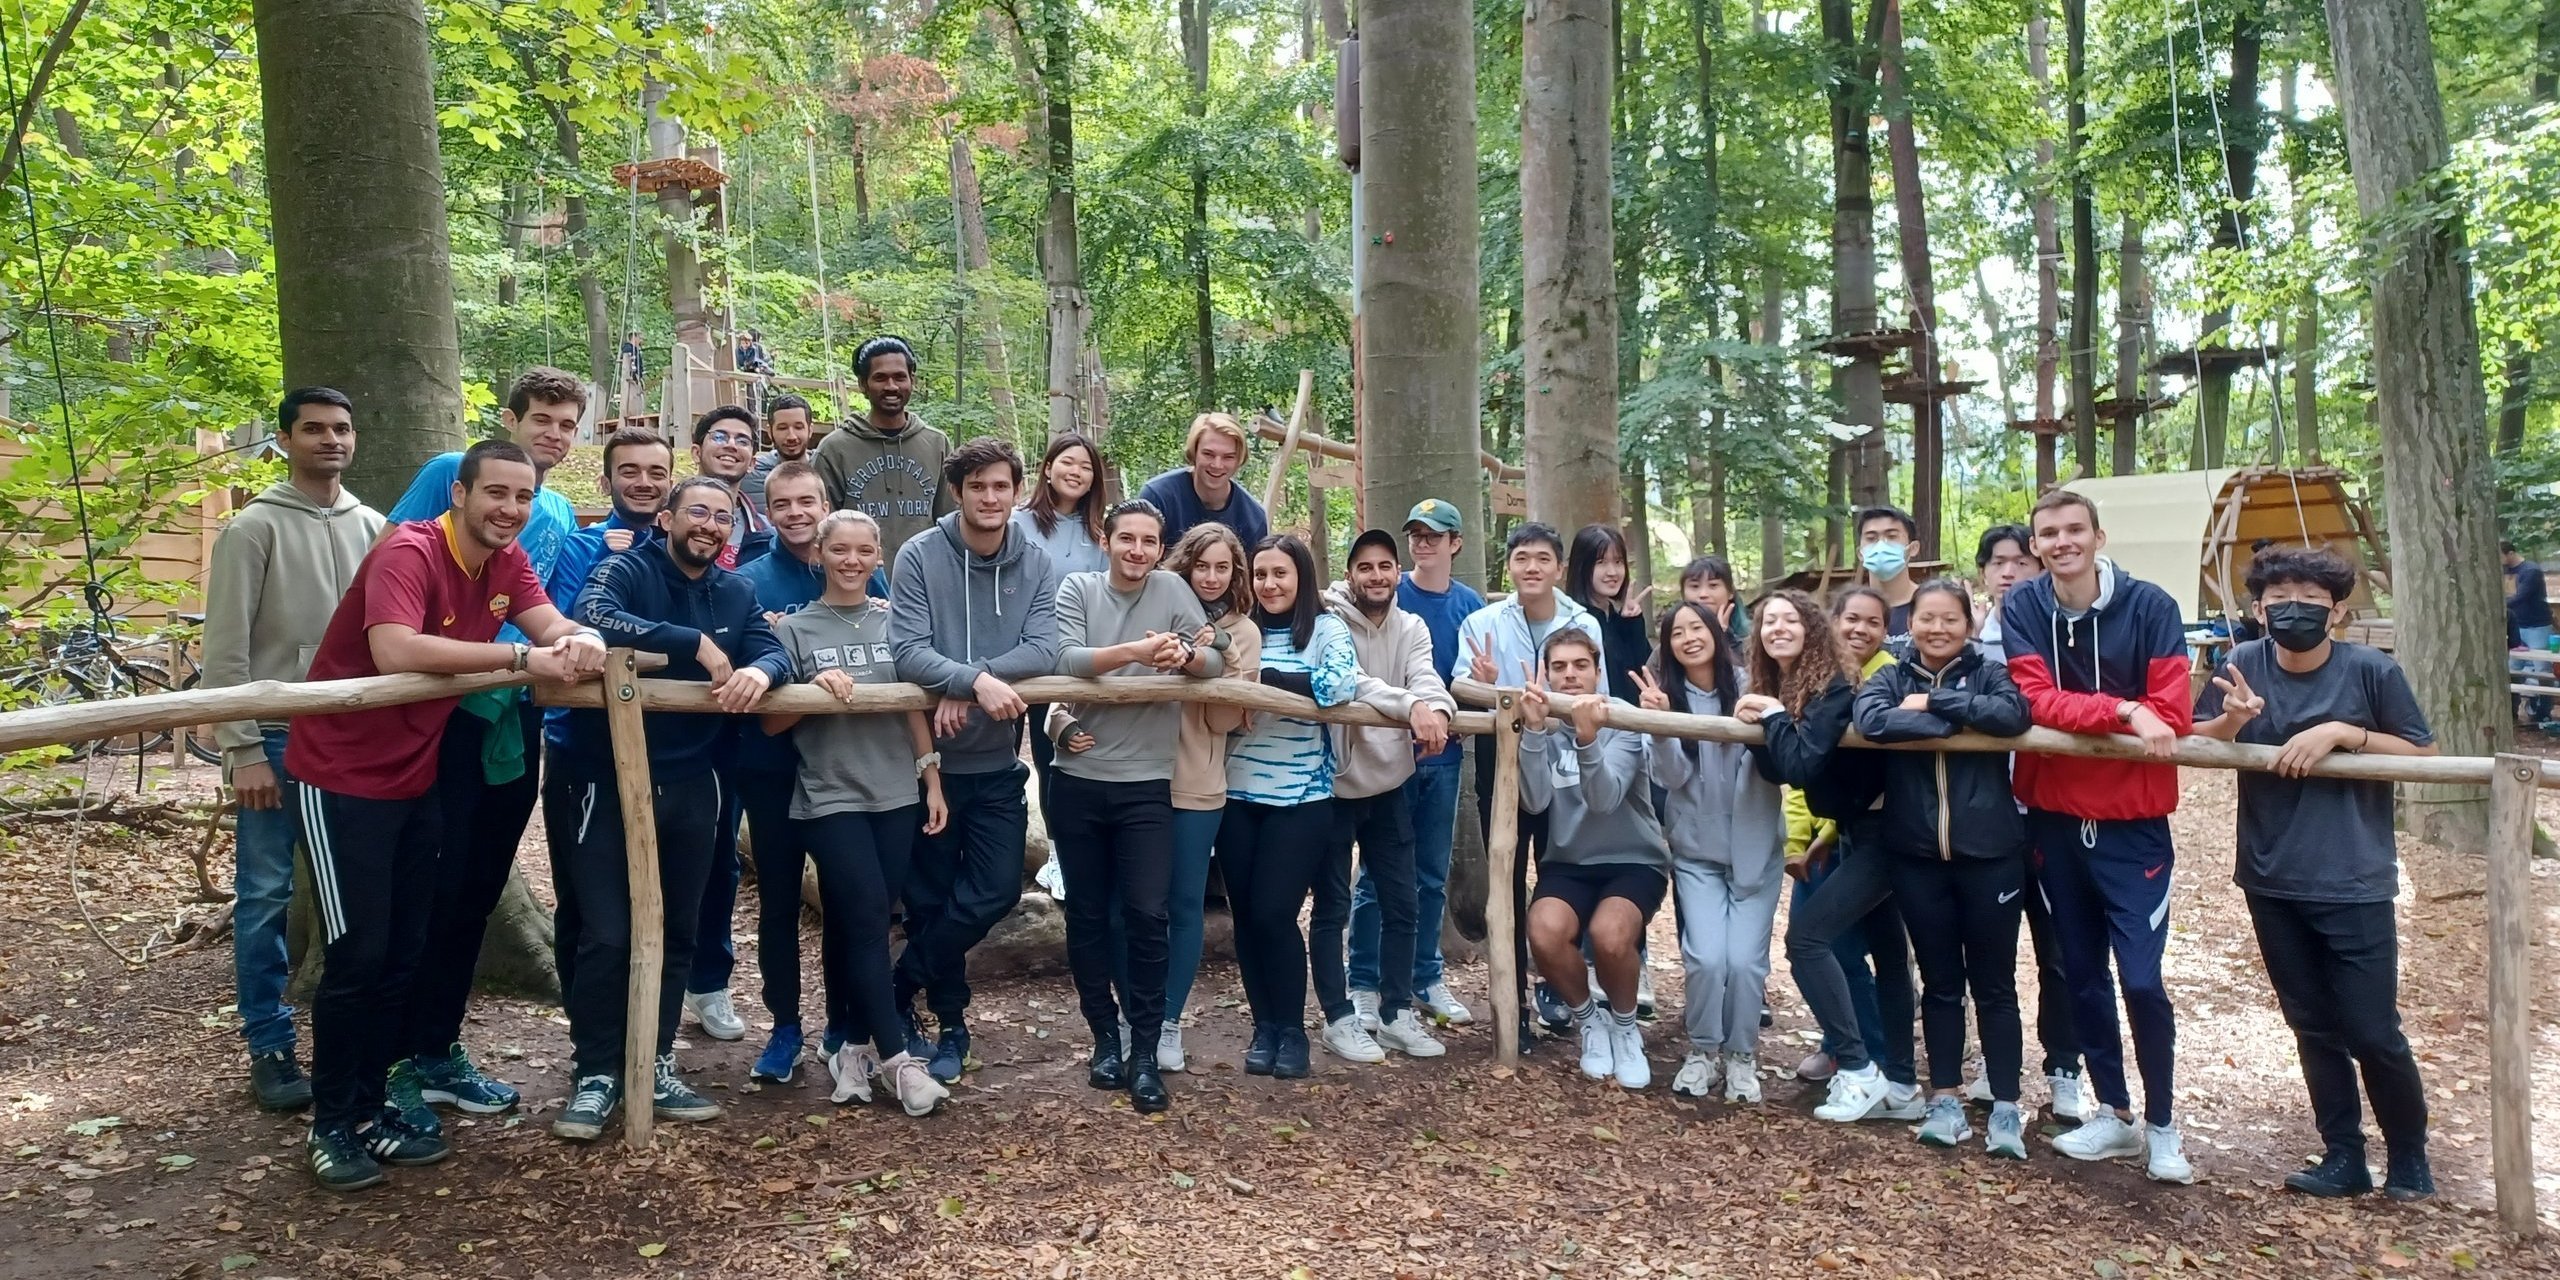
<point>277,572</point>
<point>887,464</point>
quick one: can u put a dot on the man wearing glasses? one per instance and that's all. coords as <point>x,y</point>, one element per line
<point>669,596</point>
<point>724,448</point>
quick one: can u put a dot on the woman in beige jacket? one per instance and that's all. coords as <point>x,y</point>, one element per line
<point>1210,558</point>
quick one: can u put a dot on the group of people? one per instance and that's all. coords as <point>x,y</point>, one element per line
<point>884,554</point>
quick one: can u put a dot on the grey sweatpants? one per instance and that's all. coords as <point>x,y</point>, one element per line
<point>1724,950</point>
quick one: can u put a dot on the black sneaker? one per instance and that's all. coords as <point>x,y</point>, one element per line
<point>2407,1179</point>
<point>673,1099</point>
<point>1528,1032</point>
<point>277,1082</point>
<point>1106,1069</point>
<point>591,1106</point>
<point>1290,1062</point>
<point>1146,1083</point>
<point>1266,1046</point>
<point>400,1144</point>
<point>338,1161</point>
<point>2338,1175</point>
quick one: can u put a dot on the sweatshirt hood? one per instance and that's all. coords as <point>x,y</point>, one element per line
<point>1007,555</point>
<point>860,425</point>
<point>1346,606</point>
<point>283,494</point>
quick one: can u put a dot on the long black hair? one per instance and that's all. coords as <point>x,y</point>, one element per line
<point>1302,615</point>
<point>1589,545</point>
<point>1673,676</point>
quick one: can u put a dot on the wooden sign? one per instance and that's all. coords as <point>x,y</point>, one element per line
<point>1509,499</point>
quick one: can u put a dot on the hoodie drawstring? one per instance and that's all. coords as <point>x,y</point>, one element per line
<point>2088,833</point>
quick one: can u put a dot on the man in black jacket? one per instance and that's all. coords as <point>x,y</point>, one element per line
<point>669,597</point>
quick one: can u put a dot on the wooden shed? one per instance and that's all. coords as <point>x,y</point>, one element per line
<point>170,552</point>
<point>2191,531</point>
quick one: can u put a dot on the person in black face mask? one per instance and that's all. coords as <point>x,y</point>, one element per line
<point>2317,864</point>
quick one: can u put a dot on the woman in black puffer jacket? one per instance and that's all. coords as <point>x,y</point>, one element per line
<point>1956,848</point>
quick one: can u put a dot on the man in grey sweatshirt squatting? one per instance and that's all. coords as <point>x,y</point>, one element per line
<point>972,608</point>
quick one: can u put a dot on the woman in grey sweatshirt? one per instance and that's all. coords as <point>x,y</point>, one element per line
<point>1727,829</point>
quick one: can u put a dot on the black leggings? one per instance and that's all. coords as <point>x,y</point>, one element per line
<point>1962,915</point>
<point>862,868</point>
<point>1268,855</point>
<point>780,848</point>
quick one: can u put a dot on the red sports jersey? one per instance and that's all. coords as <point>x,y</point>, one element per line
<point>414,578</point>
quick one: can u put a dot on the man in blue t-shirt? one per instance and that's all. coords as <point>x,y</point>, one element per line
<point>1432,531</point>
<point>1206,491</point>
<point>488,775</point>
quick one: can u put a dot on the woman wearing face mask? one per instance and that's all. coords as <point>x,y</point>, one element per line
<point>1955,847</point>
<point>1728,841</point>
<point>1280,801</point>
<point>1211,560</point>
<point>1708,582</point>
<point>1595,575</point>
<point>868,784</point>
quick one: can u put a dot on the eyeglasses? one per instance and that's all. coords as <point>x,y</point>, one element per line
<point>700,512</point>
<point>730,437</point>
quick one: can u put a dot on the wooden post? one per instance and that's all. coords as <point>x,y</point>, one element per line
<point>2511,795</point>
<point>622,705</point>
<point>1289,441</point>
<point>1501,853</point>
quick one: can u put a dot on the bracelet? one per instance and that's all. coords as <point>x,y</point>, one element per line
<point>929,760</point>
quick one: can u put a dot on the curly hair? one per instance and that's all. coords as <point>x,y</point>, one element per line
<point>1797,684</point>
<point>1196,543</point>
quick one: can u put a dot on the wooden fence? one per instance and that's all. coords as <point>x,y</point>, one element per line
<point>172,552</point>
<point>2512,781</point>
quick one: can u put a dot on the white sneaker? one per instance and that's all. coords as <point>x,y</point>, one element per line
<point>717,1014</point>
<point>1742,1078</point>
<point>2168,1155</point>
<point>2070,1099</point>
<point>1698,1074</point>
<point>1169,1048</point>
<point>1406,1035</point>
<point>1626,1046</point>
<point>913,1085</point>
<point>1442,1003</point>
<point>1344,1039</point>
<point>852,1065</point>
<point>1855,1095</point>
<point>1902,1102</point>
<point>1599,1048</point>
<point>1365,1004</point>
<point>1977,1089</point>
<point>2105,1137</point>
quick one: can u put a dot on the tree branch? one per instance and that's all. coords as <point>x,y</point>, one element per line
<point>36,83</point>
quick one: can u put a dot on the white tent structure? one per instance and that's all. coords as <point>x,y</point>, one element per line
<point>2190,531</point>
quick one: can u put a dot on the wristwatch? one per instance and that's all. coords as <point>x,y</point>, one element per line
<point>523,658</point>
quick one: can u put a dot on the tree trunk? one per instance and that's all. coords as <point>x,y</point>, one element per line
<point>1060,264</point>
<point>684,267</point>
<point>1996,322</point>
<point>2129,341</point>
<point>2514,403</point>
<point>1919,282</point>
<point>969,207</point>
<point>1637,502</point>
<point>1195,16</point>
<point>1860,383</point>
<point>511,217</point>
<point>2048,253</point>
<point>1567,256</point>
<point>1418,297</point>
<point>2084,242</point>
<point>2306,321</point>
<point>564,136</point>
<point>364,273</point>
<point>2241,134</point>
<point>2433,414</point>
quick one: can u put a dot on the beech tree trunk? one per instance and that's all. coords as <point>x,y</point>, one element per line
<point>2241,131</point>
<point>2431,406</point>
<point>1418,296</point>
<point>1195,233</point>
<point>2084,243</point>
<point>969,207</point>
<point>1860,382</point>
<point>364,271</point>
<point>2130,322</point>
<point>2306,321</point>
<point>591,304</point>
<point>2048,255</point>
<point>1061,265</point>
<point>1567,253</point>
<point>1911,224</point>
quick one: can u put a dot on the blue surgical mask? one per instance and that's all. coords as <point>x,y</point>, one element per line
<point>1884,559</point>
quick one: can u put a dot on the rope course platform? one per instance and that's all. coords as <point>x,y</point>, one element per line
<point>2196,361</point>
<point>1870,343</point>
<point>2135,407</point>
<point>1910,388</point>
<point>685,173</point>
<point>2041,426</point>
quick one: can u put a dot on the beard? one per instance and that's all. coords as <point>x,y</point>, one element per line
<point>686,555</point>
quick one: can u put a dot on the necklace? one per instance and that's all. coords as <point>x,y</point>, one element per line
<point>837,611</point>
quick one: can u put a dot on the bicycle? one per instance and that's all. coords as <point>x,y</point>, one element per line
<point>87,661</point>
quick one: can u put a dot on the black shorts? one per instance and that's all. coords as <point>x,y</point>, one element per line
<point>1582,886</point>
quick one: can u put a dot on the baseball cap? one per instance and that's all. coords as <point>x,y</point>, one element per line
<point>1372,537</point>
<point>1435,515</point>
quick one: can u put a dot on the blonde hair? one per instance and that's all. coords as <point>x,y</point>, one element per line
<point>839,519</point>
<point>1219,423</point>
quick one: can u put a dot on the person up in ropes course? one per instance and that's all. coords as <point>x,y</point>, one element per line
<point>2096,650</point>
<point>1727,830</point>
<point>1955,846</point>
<point>866,786</point>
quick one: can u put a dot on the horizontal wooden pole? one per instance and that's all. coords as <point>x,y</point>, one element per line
<point>2195,752</point>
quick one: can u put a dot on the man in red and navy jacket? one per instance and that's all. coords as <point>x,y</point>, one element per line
<point>2098,651</point>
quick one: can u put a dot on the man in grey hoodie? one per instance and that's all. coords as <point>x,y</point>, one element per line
<point>972,608</point>
<point>277,572</point>
<point>888,463</point>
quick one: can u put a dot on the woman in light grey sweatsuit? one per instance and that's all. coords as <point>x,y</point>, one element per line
<point>1727,831</point>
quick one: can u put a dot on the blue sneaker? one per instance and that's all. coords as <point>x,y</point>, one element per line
<point>456,1082</point>
<point>781,1056</point>
<point>951,1056</point>
<point>918,1047</point>
<point>1551,1009</point>
<point>405,1093</point>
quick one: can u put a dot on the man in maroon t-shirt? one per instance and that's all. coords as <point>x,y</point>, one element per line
<point>429,598</point>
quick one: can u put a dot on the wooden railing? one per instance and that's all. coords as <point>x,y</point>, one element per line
<point>2512,781</point>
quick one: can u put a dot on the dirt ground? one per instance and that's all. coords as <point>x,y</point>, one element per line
<point>127,1145</point>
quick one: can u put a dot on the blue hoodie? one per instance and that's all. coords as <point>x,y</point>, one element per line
<point>642,600</point>
<point>783,585</point>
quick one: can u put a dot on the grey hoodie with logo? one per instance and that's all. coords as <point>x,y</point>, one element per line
<point>895,479</point>
<point>954,615</point>
<point>277,573</point>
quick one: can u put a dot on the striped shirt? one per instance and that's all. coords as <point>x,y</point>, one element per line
<point>1283,760</point>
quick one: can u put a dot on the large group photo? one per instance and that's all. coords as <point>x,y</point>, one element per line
<point>1465,696</point>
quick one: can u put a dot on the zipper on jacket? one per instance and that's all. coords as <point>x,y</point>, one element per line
<point>1938,759</point>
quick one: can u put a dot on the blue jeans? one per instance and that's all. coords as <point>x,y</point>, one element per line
<point>1195,833</point>
<point>2537,639</point>
<point>263,885</point>
<point>1852,950</point>
<point>1432,792</point>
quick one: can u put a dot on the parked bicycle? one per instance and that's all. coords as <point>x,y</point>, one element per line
<point>88,660</point>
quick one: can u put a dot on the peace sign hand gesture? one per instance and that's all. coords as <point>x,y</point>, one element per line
<point>1480,662</point>
<point>2238,699</point>
<point>1536,704</point>
<point>1649,694</point>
